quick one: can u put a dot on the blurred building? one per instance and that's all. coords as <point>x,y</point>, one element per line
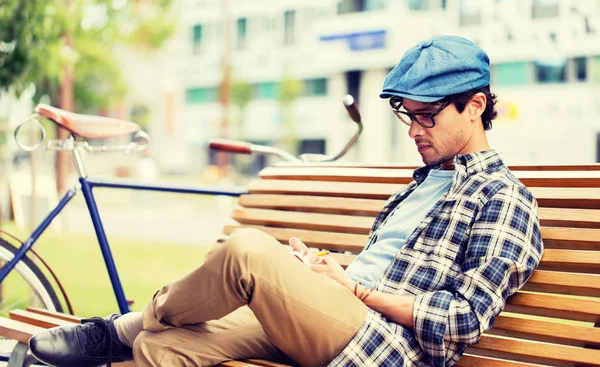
<point>545,58</point>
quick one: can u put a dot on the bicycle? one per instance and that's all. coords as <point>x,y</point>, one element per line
<point>19,261</point>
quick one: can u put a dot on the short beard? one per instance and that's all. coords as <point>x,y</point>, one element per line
<point>438,162</point>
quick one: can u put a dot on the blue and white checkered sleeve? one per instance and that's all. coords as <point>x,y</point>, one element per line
<point>503,249</point>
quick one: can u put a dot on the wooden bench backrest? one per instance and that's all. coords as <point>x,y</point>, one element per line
<point>521,167</point>
<point>550,322</point>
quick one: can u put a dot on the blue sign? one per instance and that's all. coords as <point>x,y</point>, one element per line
<point>360,41</point>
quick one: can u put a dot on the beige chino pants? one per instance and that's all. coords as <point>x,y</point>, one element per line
<point>250,299</point>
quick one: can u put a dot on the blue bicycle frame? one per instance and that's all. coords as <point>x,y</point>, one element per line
<point>86,186</point>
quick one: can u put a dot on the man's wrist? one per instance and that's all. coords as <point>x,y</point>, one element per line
<point>350,284</point>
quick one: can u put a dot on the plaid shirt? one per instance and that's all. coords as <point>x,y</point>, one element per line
<point>477,246</point>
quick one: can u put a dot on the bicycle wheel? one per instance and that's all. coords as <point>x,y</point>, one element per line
<point>26,285</point>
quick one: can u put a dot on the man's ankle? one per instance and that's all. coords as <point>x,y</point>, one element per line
<point>126,328</point>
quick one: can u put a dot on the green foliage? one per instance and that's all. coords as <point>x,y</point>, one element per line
<point>34,50</point>
<point>30,35</point>
<point>290,89</point>
<point>241,93</point>
<point>140,114</point>
<point>92,87</point>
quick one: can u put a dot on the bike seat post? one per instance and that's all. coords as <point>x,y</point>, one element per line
<point>78,159</point>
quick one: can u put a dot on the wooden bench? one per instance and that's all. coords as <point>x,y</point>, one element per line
<point>553,321</point>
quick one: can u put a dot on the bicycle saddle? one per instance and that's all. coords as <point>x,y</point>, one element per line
<point>87,126</point>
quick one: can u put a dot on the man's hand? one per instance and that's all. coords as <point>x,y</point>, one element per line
<point>395,307</point>
<point>298,246</point>
<point>325,265</point>
<point>300,249</point>
<point>330,268</point>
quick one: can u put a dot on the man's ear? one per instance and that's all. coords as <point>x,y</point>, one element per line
<point>476,106</point>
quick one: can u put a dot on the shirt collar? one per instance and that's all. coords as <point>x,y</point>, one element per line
<point>469,164</point>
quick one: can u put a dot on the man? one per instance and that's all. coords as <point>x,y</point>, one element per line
<point>443,256</point>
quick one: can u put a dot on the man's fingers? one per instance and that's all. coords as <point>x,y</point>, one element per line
<point>318,268</point>
<point>298,245</point>
<point>314,259</point>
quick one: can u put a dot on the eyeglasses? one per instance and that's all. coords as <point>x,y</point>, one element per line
<point>424,119</point>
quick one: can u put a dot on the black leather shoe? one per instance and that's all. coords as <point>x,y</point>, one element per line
<point>92,343</point>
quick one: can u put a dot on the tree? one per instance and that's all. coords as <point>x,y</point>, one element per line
<point>71,43</point>
<point>25,35</point>
<point>241,94</point>
<point>33,49</point>
<point>290,89</point>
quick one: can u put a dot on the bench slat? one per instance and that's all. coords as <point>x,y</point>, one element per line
<point>577,261</point>
<point>58,315</point>
<point>346,190</point>
<point>18,330</point>
<point>548,351</point>
<point>405,176</point>
<point>328,240</point>
<point>564,283</point>
<point>555,197</point>
<point>564,197</point>
<point>263,363</point>
<point>38,319</point>
<point>309,221</point>
<point>249,363</point>
<point>557,217</point>
<point>571,238</point>
<point>547,331</point>
<point>565,217</point>
<point>317,204</point>
<point>471,360</point>
<point>555,306</point>
<point>518,167</point>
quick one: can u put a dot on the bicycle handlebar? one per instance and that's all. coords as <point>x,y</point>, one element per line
<point>231,146</point>
<point>242,147</point>
<point>352,108</point>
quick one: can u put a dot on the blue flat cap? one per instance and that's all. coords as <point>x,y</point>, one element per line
<point>436,68</point>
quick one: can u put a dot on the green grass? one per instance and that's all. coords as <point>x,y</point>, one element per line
<point>143,268</point>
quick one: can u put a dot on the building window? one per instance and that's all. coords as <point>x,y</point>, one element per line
<point>202,95</point>
<point>550,71</point>
<point>266,90</point>
<point>470,12</point>
<point>350,6</point>
<point>545,8</point>
<point>289,27</point>
<point>353,78</point>
<point>312,146</point>
<point>242,29</point>
<point>197,36</point>
<point>375,4</point>
<point>580,66</point>
<point>511,73</point>
<point>417,4</point>
<point>598,148</point>
<point>315,87</point>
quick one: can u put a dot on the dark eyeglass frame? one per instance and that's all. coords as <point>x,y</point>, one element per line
<point>407,117</point>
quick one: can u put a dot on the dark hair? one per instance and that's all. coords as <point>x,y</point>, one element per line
<point>460,101</point>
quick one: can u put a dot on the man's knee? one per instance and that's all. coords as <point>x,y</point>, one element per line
<point>246,242</point>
